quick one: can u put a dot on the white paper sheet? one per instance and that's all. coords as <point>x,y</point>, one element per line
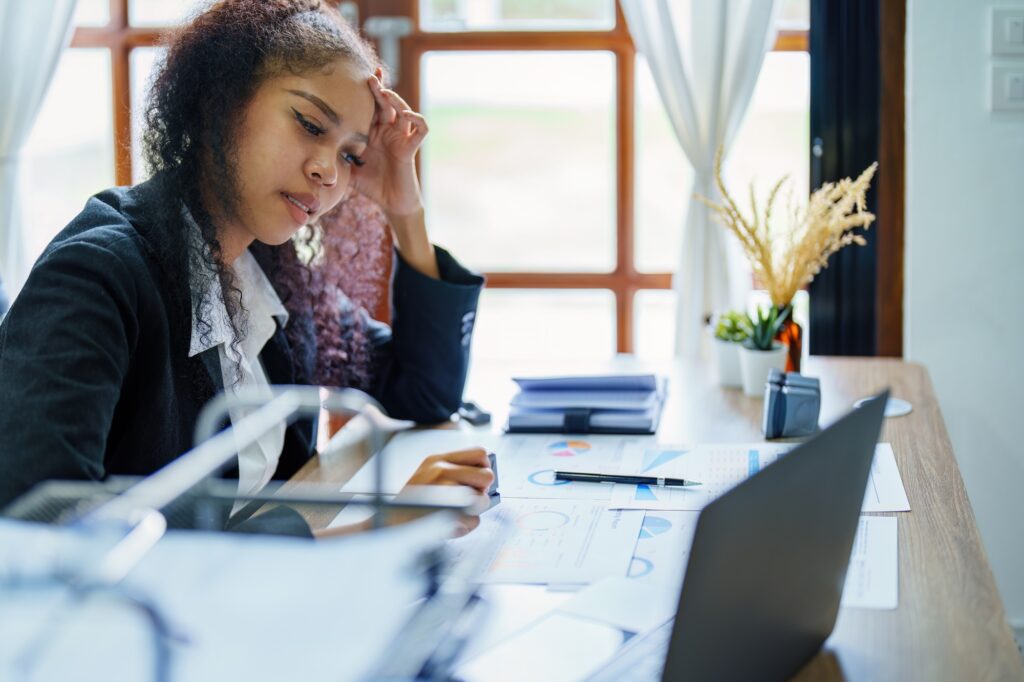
<point>649,595</point>
<point>663,547</point>
<point>556,541</point>
<point>872,580</point>
<point>632,605</point>
<point>510,609</point>
<point>885,491</point>
<point>560,648</point>
<point>721,467</point>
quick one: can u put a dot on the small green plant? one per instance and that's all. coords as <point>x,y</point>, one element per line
<point>733,326</point>
<point>765,326</point>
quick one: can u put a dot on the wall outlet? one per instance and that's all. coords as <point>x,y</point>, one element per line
<point>1006,89</point>
<point>1008,32</point>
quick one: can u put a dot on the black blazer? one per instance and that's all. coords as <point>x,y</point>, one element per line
<point>95,377</point>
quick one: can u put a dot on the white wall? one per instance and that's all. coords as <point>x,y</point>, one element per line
<point>964,315</point>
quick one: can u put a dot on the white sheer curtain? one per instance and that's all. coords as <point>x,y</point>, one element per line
<point>33,33</point>
<point>705,56</point>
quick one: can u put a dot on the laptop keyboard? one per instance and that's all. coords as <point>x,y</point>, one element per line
<point>641,660</point>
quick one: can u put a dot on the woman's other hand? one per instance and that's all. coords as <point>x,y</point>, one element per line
<point>470,468</point>
<point>463,467</point>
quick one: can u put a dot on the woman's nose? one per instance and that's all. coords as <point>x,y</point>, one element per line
<point>324,173</point>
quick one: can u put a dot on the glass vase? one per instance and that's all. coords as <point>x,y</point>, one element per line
<point>791,334</point>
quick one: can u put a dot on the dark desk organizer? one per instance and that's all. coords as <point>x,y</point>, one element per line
<point>792,403</point>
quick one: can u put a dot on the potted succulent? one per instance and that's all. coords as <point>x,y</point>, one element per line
<point>731,330</point>
<point>761,352</point>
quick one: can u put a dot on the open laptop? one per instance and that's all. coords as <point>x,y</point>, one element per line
<point>767,566</point>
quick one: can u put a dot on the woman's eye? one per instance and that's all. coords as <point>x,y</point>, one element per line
<point>311,128</point>
<point>353,159</point>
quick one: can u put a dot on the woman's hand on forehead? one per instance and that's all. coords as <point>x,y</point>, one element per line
<point>396,128</point>
<point>388,174</point>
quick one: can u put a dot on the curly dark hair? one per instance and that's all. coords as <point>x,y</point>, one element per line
<point>213,67</point>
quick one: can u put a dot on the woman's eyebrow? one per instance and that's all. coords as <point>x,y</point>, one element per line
<point>320,104</point>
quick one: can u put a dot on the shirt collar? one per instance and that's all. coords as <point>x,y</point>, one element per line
<point>258,296</point>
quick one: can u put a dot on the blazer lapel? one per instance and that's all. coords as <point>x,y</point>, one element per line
<point>277,359</point>
<point>210,358</point>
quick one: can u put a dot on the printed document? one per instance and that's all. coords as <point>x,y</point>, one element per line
<point>648,596</point>
<point>872,580</point>
<point>527,464</point>
<point>721,467</point>
<point>556,541</point>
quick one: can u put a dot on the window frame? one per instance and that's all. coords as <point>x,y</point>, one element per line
<point>624,281</point>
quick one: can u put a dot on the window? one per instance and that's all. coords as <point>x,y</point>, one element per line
<point>69,155</point>
<point>550,165</point>
<point>578,184</point>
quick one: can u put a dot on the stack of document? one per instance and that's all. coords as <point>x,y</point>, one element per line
<point>588,404</point>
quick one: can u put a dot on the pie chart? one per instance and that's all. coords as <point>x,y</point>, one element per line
<point>545,477</point>
<point>654,525</point>
<point>542,520</point>
<point>639,567</point>
<point>568,448</point>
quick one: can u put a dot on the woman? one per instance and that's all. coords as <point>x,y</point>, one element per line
<point>264,116</point>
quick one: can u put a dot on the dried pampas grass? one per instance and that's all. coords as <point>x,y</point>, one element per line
<point>787,262</point>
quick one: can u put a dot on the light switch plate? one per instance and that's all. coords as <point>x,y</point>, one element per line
<point>1007,88</point>
<point>1008,32</point>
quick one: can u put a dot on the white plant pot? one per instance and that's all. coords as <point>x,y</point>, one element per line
<point>755,364</point>
<point>727,362</point>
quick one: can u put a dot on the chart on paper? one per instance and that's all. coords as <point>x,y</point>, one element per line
<point>527,465</point>
<point>717,467</point>
<point>663,546</point>
<point>721,467</point>
<point>555,541</point>
<point>649,595</point>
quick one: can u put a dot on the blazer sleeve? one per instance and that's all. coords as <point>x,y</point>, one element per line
<point>422,360</point>
<point>64,352</point>
<point>4,303</point>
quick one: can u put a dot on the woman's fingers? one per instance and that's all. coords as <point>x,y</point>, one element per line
<point>464,467</point>
<point>417,123</point>
<point>393,98</point>
<point>391,108</point>
<point>475,477</point>
<point>469,457</point>
<point>385,109</point>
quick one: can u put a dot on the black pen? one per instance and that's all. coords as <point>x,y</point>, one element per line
<point>617,478</point>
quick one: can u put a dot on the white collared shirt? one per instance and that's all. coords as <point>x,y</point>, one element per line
<point>258,461</point>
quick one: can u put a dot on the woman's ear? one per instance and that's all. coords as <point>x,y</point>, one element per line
<point>379,73</point>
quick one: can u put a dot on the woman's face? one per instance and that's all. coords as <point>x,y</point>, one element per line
<point>297,144</point>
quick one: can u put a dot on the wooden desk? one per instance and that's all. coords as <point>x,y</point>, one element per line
<point>950,624</point>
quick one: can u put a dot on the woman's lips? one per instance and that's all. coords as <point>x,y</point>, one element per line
<point>300,206</point>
